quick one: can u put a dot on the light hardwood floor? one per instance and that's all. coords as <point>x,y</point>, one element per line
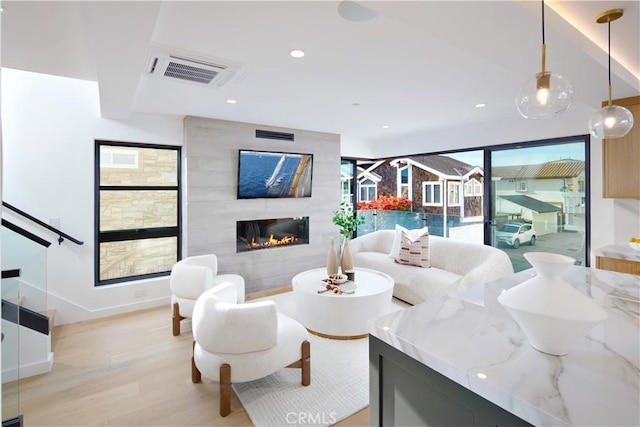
<point>128,370</point>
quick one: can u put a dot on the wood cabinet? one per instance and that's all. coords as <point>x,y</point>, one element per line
<point>619,265</point>
<point>621,158</point>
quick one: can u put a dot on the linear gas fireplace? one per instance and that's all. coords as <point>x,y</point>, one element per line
<point>271,233</point>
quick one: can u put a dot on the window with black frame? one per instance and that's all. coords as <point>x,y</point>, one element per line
<point>137,212</point>
<point>512,196</point>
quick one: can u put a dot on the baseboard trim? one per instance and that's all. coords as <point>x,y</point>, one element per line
<point>268,292</point>
<point>69,312</point>
<point>26,371</point>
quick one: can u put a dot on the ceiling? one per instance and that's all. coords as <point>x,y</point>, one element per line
<point>418,67</point>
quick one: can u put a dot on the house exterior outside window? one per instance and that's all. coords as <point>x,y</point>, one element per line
<point>521,186</point>
<point>453,191</point>
<point>432,193</point>
<point>138,211</point>
<point>346,191</point>
<point>477,188</point>
<point>581,186</point>
<point>368,190</point>
<point>346,180</point>
<point>404,182</point>
<point>472,188</point>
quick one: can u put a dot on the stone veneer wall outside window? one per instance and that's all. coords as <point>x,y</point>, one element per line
<point>135,209</point>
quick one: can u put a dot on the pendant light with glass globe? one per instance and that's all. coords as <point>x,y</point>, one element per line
<point>612,121</point>
<point>545,95</point>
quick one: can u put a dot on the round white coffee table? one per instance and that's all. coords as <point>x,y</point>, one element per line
<point>341,316</point>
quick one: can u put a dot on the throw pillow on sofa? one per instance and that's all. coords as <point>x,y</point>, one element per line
<point>414,251</point>
<point>413,234</point>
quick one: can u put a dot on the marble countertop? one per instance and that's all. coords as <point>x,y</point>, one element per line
<point>619,251</point>
<point>473,341</point>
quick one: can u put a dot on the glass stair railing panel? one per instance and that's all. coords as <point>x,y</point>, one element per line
<point>10,350</point>
<point>24,267</point>
<point>19,252</point>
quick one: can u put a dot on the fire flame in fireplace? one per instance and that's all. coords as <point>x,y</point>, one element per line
<point>286,240</point>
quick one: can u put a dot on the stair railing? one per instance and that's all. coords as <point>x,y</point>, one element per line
<point>61,235</point>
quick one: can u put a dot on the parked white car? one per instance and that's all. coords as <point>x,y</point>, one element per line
<point>514,234</point>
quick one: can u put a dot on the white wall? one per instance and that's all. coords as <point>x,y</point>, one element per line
<point>49,127</point>
<point>626,220</point>
<point>510,129</point>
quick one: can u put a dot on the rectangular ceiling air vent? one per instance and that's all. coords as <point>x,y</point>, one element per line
<point>201,71</point>
<point>192,71</point>
<point>268,134</point>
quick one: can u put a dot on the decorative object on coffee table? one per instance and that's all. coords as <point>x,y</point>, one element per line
<point>550,312</point>
<point>336,279</point>
<point>348,221</point>
<point>346,261</point>
<point>332,259</point>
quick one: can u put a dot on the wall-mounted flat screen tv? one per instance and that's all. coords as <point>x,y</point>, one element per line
<point>268,174</point>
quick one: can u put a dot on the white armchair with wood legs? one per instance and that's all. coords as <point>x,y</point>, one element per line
<point>244,342</point>
<point>189,278</point>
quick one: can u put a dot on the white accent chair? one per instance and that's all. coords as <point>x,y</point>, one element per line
<point>189,278</point>
<point>244,342</point>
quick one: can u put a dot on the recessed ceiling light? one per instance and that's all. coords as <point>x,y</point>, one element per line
<point>385,126</point>
<point>231,101</point>
<point>481,105</point>
<point>296,53</point>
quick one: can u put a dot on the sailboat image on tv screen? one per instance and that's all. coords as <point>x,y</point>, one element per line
<point>275,177</point>
<point>267,174</point>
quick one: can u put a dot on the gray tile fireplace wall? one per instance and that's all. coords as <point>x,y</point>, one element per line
<point>211,207</point>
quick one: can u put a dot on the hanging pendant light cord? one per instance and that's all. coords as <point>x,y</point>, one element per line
<point>609,48</point>
<point>544,46</point>
<point>542,21</point>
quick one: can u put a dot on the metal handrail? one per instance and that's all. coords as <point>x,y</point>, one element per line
<point>61,235</point>
<point>24,233</point>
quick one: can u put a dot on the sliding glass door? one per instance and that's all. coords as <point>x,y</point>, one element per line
<point>538,199</point>
<point>530,196</point>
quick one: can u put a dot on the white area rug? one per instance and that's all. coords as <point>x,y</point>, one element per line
<point>339,387</point>
<point>339,383</point>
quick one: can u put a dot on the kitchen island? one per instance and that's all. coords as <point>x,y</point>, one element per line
<point>463,360</point>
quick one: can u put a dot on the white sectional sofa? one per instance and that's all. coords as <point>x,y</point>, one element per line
<point>455,265</point>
